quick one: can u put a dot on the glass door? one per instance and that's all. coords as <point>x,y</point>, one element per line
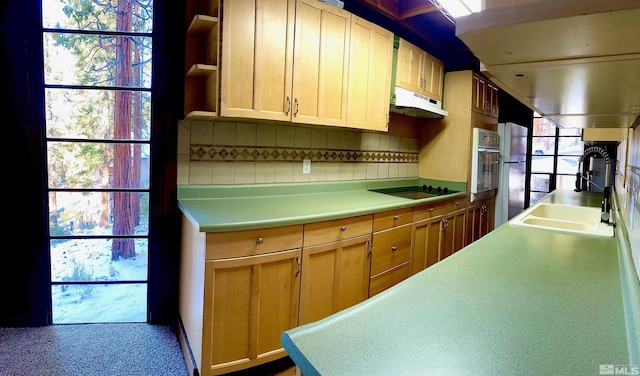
<point>97,69</point>
<point>554,159</point>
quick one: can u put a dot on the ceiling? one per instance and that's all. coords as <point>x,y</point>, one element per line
<point>576,62</point>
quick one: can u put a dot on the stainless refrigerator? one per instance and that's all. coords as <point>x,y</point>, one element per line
<point>510,199</point>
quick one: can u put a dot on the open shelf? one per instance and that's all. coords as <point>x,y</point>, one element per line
<point>202,24</point>
<point>201,115</point>
<point>201,70</point>
<point>201,59</point>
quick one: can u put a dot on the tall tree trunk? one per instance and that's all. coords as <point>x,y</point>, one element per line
<point>123,223</point>
<point>137,133</point>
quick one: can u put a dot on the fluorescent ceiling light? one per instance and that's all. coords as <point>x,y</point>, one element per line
<point>458,8</point>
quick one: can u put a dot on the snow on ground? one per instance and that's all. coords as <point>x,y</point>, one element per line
<point>90,259</point>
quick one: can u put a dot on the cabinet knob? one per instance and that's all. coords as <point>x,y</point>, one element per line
<point>260,240</point>
<point>343,228</point>
<point>394,248</point>
<point>431,210</point>
<point>395,217</point>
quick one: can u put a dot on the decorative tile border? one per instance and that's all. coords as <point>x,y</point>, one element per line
<point>226,153</point>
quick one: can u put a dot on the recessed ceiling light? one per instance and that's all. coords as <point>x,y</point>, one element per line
<point>458,8</point>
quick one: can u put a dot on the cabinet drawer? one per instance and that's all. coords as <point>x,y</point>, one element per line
<point>390,248</point>
<point>392,218</point>
<point>428,211</point>
<point>339,229</point>
<point>252,242</point>
<point>456,204</point>
<point>387,279</point>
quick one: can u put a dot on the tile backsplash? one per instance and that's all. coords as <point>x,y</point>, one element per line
<point>222,152</point>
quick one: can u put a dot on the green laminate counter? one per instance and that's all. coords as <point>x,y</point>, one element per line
<point>519,301</point>
<point>245,207</point>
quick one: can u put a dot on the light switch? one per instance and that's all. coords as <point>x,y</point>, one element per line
<point>306,166</point>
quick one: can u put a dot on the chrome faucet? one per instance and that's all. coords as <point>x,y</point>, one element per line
<point>605,214</point>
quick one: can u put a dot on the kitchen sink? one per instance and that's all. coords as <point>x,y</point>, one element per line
<point>562,217</point>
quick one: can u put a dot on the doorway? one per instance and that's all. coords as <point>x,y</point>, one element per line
<point>97,88</point>
<point>555,153</point>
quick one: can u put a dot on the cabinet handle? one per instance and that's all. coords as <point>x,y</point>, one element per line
<point>394,248</point>
<point>299,265</point>
<point>260,240</point>
<point>445,224</point>
<point>288,106</point>
<point>297,107</point>
<point>343,228</point>
<point>395,217</point>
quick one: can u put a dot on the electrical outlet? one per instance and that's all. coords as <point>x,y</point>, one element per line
<point>306,166</point>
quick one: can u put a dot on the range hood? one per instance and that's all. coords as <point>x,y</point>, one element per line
<point>416,105</point>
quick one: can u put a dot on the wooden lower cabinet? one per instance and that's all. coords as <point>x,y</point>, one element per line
<point>480,219</point>
<point>390,258</point>
<point>335,276</point>
<point>248,303</point>
<point>453,233</point>
<point>238,292</point>
<point>426,244</point>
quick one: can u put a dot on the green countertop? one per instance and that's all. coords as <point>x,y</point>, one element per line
<point>245,207</point>
<point>519,301</point>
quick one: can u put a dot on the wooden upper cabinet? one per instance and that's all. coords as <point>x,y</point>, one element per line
<point>320,63</point>
<point>409,74</point>
<point>370,68</point>
<point>257,59</point>
<point>304,61</point>
<point>418,71</point>
<point>433,77</point>
<point>260,51</point>
<point>484,98</point>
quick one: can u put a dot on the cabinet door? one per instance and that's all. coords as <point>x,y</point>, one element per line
<point>433,71</point>
<point>487,217</point>
<point>426,243</point>
<point>370,63</point>
<point>335,276</point>
<point>480,220</point>
<point>257,59</point>
<point>248,303</point>
<point>320,63</point>
<point>477,94</point>
<point>409,70</point>
<point>474,214</point>
<point>453,225</point>
<point>491,93</point>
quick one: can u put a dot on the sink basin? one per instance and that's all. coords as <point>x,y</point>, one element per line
<point>566,218</point>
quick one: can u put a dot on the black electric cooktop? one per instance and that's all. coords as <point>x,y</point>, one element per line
<point>415,192</point>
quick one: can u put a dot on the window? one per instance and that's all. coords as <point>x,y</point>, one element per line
<point>97,69</point>
<point>554,162</point>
